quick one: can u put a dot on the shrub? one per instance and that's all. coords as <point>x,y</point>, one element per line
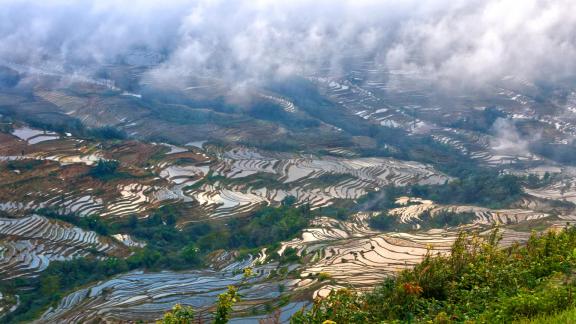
<point>104,169</point>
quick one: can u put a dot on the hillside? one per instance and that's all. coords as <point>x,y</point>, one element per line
<point>477,282</point>
<point>287,161</point>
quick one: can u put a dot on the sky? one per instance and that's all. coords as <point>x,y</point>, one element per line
<point>453,43</point>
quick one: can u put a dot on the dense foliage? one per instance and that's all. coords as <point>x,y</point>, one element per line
<point>477,282</point>
<point>427,220</point>
<point>23,165</point>
<point>178,315</point>
<point>487,189</point>
<point>269,225</point>
<point>104,169</point>
<point>445,218</point>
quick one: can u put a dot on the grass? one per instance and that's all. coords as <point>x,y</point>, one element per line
<point>564,317</point>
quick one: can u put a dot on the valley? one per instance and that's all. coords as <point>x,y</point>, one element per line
<point>321,183</point>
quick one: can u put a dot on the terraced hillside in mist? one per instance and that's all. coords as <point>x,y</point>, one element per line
<point>119,204</point>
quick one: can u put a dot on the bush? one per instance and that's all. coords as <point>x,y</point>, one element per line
<point>104,169</point>
<point>384,222</point>
<point>445,218</point>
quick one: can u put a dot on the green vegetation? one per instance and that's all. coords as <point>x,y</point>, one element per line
<point>563,317</point>
<point>487,189</point>
<point>534,181</point>
<point>178,315</point>
<point>269,225</point>
<point>479,282</point>
<point>445,218</point>
<point>338,213</point>
<point>275,113</point>
<point>224,306</point>
<point>479,120</point>
<point>561,153</point>
<point>105,169</point>
<point>23,165</point>
<point>388,223</point>
<point>290,256</point>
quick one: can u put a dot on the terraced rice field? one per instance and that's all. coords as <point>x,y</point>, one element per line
<point>392,106</point>
<point>481,147</point>
<point>293,175</point>
<point>353,255</point>
<point>562,190</point>
<point>484,216</point>
<point>137,295</point>
<point>120,201</point>
<point>29,244</point>
<point>217,183</point>
<point>348,252</point>
<point>33,136</point>
<point>286,105</point>
<point>177,174</point>
<point>68,160</point>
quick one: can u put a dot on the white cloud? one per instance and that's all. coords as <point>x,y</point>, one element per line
<point>453,43</point>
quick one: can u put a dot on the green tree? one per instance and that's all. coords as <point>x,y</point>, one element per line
<point>224,307</point>
<point>289,201</point>
<point>178,315</point>
<point>190,254</point>
<point>104,169</point>
<point>50,285</point>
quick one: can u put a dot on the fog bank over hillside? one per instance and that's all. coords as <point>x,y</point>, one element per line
<point>451,43</point>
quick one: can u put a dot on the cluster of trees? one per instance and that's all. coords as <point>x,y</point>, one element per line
<point>535,181</point>
<point>445,218</point>
<point>388,223</point>
<point>442,219</point>
<point>479,120</point>
<point>487,189</point>
<point>170,248</point>
<point>23,165</point>
<point>478,282</point>
<point>268,225</point>
<point>562,153</point>
<point>105,170</point>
